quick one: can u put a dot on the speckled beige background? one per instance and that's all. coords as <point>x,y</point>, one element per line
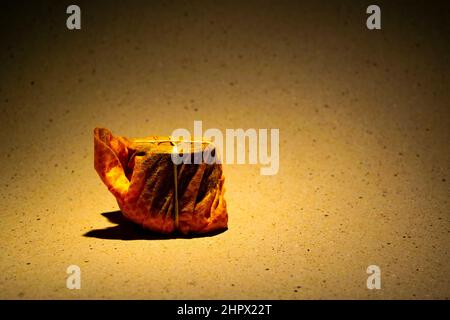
<point>364,128</point>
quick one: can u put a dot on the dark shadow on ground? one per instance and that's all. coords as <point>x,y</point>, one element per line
<point>127,230</point>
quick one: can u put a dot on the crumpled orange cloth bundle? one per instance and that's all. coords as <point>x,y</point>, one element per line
<point>154,192</point>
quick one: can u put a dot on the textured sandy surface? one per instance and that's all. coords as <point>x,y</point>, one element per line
<point>364,128</point>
